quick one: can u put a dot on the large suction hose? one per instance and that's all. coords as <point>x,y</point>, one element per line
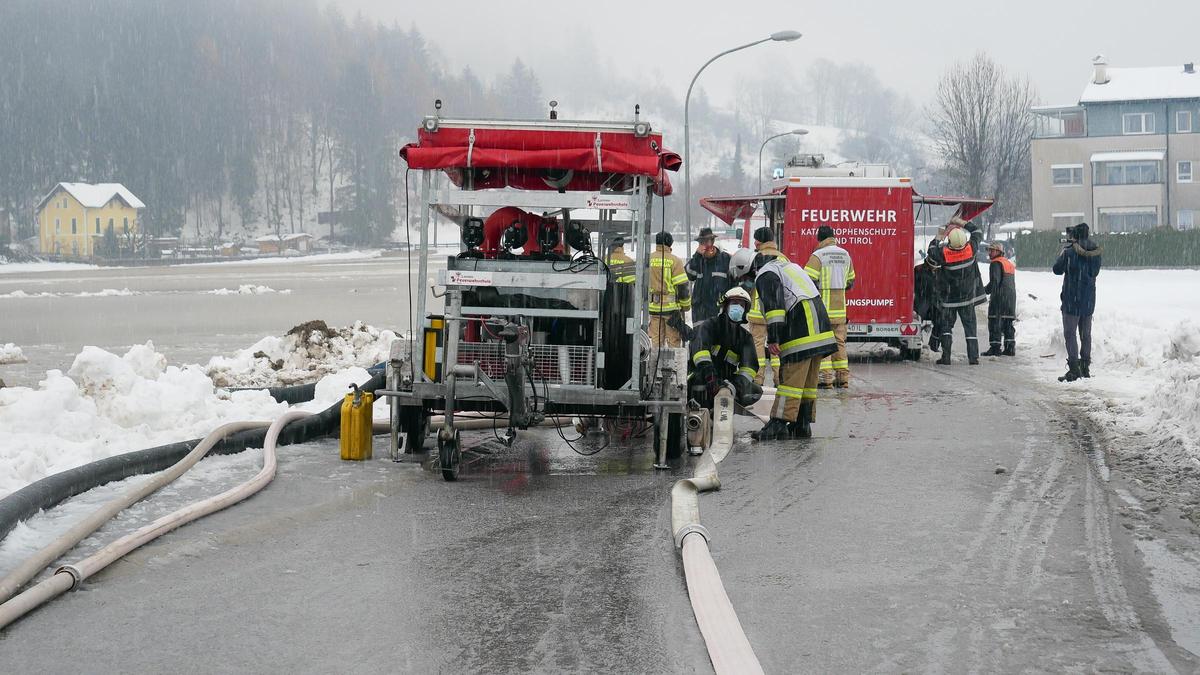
<point>728,647</point>
<point>68,577</point>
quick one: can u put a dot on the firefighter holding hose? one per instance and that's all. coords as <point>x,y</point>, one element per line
<point>722,350</point>
<point>798,334</point>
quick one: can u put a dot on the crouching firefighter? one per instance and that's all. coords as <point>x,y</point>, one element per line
<point>722,350</point>
<point>798,332</point>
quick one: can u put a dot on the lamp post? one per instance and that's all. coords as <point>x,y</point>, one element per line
<point>781,36</point>
<point>793,132</point>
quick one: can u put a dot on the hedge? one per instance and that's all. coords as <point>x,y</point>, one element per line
<point>1160,247</point>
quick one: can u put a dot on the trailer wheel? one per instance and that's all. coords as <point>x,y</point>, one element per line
<point>449,456</point>
<point>415,425</point>
<point>676,436</point>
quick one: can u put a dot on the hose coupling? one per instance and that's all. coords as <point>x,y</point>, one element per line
<point>76,575</point>
<point>694,528</point>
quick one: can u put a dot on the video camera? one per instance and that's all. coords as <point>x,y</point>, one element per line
<point>1072,234</point>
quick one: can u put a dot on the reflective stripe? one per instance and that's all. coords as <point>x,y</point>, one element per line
<point>826,365</point>
<point>748,373</point>
<point>686,303</point>
<point>810,393</point>
<point>702,356</point>
<point>836,313</point>
<point>776,315</point>
<point>732,358</point>
<point>841,365</point>
<point>720,274</point>
<point>959,266</point>
<point>667,308</point>
<point>789,392</point>
<point>808,341</point>
<point>679,279</point>
<point>979,299</point>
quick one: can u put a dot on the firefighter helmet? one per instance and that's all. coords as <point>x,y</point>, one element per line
<point>740,263</point>
<point>995,248</point>
<point>958,238</point>
<point>736,293</point>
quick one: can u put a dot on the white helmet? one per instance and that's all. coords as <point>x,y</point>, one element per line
<point>736,293</point>
<point>740,263</point>
<point>958,238</point>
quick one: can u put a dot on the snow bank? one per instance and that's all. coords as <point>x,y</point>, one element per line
<point>1145,355</point>
<point>15,267</point>
<point>10,353</point>
<point>306,353</point>
<point>248,289</point>
<point>105,293</point>
<point>316,257</point>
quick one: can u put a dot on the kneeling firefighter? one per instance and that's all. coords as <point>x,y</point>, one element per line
<point>798,332</point>
<point>721,349</point>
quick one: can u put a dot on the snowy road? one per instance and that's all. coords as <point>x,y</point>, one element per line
<point>889,543</point>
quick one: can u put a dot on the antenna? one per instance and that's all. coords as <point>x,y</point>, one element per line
<point>553,112</point>
<point>637,111</point>
<point>437,105</point>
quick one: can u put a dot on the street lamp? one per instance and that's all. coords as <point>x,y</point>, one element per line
<point>793,132</point>
<point>781,36</point>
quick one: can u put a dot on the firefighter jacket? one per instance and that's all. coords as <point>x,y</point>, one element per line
<point>1079,265</point>
<point>796,317</point>
<point>831,269</point>
<point>755,315</point>
<point>728,346</point>
<point>710,280</point>
<point>1002,289</point>
<point>668,282</point>
<point>621,266</point>
<point>959,282</point>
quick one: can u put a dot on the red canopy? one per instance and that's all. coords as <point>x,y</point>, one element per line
<point>968,207</point>
<point>521,157</point>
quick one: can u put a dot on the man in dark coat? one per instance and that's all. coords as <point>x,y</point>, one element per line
<point>959,284</point>
<point>1002,302</point>
<point>1078,265</point>
<point>709,271</point>
<point>926,303</point>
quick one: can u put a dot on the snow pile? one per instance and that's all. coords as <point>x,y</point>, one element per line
<point>248,289</point>
<point>23,267</point>
<point>105,293</point>
<point>1145,355</point>
<point>10,353</point>
<point>307,352</point>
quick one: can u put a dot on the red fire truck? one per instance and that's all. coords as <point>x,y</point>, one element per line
<point>873,217</point>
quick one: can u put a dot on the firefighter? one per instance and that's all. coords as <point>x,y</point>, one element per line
<point>831,269</point>
<point>669,295</point>
<point>764,244</point>
<point>1002,302</point>
<point>709,272</point>
<point>722,350</point>
<point>620,265</point>
<point>926,303</point>
<point>798,333</point>
<point>959,284</point>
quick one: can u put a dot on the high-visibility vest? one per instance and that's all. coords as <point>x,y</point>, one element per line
<point>831,268</point>
<point>621,266</point>
<point>755,315</point>
<point>667,273</point>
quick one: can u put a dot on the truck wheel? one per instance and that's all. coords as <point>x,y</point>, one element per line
<point>414,423</point>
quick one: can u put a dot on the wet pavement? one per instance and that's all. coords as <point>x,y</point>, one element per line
<point>889,543</point>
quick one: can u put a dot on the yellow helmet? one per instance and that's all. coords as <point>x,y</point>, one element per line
<point>958,238</point>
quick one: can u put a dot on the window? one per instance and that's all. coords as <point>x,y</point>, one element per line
<point>1136,219</point>
<point>1066,174</point>
<point>74,227</point>
<point>1126,173</point>
<point>126,225</point>
<point>1183,171</point>
<point>110,223</point>
<point>1186,220</point>
<point>1064,220</point>
<point>1138,123</point>
<point>97,224</point>
<point>57,225</point>
<point>1183,121</point>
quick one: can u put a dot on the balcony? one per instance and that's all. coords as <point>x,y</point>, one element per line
<point>1059,121</point>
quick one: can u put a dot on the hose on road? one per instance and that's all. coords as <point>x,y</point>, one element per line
<point>69,577</point>
<point>728,647</point>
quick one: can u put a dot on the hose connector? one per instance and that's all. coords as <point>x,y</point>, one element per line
<point>694,528</point>
<point>76,575</point>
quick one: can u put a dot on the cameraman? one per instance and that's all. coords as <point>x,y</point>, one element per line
<point>1079,265</point>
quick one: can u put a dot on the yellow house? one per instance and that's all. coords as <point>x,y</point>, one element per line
<point>73,217</point>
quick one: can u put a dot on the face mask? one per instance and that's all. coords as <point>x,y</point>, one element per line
<point>747,285</point>
<point>737,313</point>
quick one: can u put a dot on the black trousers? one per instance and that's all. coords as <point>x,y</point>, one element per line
<point>950,315</point>
<point>1077,330</point>
<point>1001,327</point>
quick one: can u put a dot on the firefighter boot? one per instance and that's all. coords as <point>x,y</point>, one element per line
<point>945,359</point>
<point>802,427</point>
<point>1085,367</point>
<point>993,350</point>
<point>972,352</point>
<point>775,429</point>
<point>934,343</point>
<point>1072,373</point>
<point>1010,348</point>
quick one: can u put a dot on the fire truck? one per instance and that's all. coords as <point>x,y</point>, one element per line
<point>873,213</point>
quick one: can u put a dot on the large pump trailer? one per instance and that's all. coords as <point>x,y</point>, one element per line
<point>525,321</point>
<point>873,213</point>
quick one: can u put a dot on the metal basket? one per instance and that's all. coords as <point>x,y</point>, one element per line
<point>552,364</point>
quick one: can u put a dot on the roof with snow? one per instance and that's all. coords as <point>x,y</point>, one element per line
<point>293,236</point>
<point>95,196</point>
<point>1143,84</point>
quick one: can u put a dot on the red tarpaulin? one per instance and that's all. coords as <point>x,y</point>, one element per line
<point>968,207</point>
<point>515,157</point>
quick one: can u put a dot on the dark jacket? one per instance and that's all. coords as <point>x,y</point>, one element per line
<point>1079,265</point>
<point>959,283</point>
<point>1002,289</point>
<point>728,346</point>
<point>796,317</point>
<point>710,277</point>
<point>925,298</point>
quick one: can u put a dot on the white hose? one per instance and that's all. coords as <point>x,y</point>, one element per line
<point>31,567</point>
<point>728,647</point>
<point>69,576</point>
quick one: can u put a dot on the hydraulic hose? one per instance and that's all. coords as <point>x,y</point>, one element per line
<point>27,570</point>
<point>69,577</point>
<point>728,647</point>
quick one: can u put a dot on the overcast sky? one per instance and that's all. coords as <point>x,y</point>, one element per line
<point>908,43</point>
